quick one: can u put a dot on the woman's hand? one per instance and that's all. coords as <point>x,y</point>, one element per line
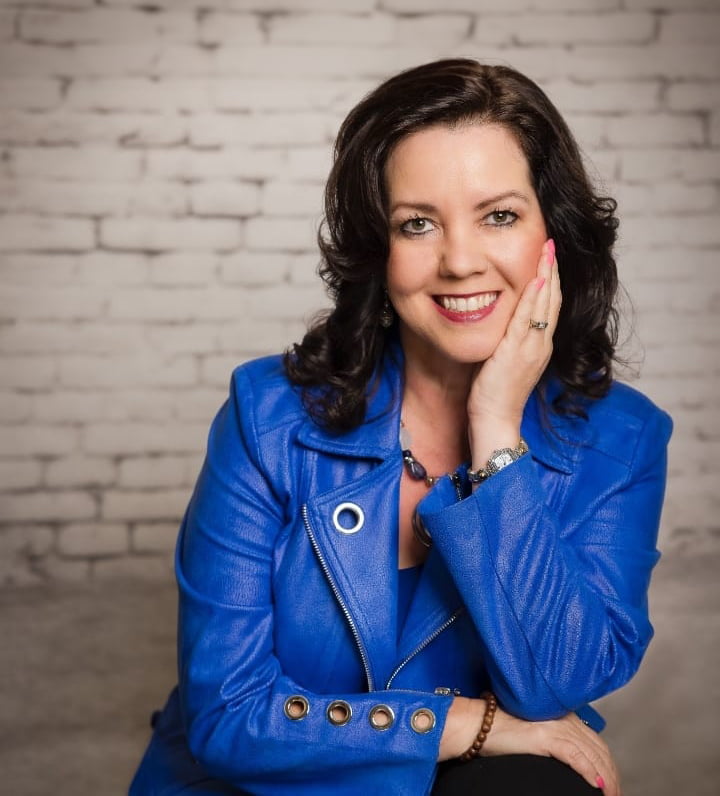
<point>504,382</point>
<point>567,740</point>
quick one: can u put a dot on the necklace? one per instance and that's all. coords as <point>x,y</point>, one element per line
<point>418,472</point>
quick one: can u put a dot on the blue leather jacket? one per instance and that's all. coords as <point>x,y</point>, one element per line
<point>535,586</point>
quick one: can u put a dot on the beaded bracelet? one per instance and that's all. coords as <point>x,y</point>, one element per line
<point>487,722</point>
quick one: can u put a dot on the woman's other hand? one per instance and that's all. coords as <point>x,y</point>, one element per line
<point>504,382</point>
<point>567,739</point>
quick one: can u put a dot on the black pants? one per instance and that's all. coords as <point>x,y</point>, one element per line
<point>510,775</point>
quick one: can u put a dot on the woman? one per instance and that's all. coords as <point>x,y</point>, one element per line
<point>425,536</point>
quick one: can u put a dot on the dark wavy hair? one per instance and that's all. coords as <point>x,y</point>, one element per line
<point>335,363</point>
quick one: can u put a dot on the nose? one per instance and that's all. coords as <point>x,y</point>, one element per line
<point>461,253</point>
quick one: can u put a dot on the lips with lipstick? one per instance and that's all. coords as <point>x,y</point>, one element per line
<point>467,308</point>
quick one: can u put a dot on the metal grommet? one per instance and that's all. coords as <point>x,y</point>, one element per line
<point>422,720</point>
<point>339,712</point>
<point>352,509</point>
<point>382,717</point>
<point>296,707</point>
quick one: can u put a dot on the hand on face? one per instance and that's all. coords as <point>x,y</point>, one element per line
<point>503,383</point>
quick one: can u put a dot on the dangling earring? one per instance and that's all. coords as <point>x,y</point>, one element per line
<point>387,316</point>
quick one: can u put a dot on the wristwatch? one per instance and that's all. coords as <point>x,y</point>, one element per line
<point>498,459</point>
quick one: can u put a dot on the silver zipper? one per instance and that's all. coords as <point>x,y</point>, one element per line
<point>422,646</point>
<point>343,607</point>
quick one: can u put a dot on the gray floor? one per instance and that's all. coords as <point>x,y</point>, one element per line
<point>81,667</point>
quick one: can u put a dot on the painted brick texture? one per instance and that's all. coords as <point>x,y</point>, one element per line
<point>161,171</point>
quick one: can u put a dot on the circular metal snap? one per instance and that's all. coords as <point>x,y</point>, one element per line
<point>351,512</point>
<point>382,717</point>
<point>422,720</point>
<point>339,712</point>
<point>296,707</point>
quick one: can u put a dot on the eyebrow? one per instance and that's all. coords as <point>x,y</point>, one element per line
<point>424,207</point>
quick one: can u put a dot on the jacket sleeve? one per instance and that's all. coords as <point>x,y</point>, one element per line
<point>559,598</point>
<point>233,690</point>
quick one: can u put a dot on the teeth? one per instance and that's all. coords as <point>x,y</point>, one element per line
<point>468,304</point>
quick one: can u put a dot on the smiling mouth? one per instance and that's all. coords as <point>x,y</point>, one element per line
<point>467,303</point>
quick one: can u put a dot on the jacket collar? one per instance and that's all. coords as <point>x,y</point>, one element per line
<point>554,441</point>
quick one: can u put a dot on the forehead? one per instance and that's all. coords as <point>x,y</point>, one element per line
<point>472,154</point>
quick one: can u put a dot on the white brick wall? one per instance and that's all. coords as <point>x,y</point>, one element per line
<point>161,174</point>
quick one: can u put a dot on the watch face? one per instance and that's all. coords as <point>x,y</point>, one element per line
<point>503,459</point>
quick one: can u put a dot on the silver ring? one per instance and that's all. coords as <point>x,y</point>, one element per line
<point>538,324</point>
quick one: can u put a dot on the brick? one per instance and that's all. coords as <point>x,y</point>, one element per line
<point>105,25</point>
<point>655,130</point>
<point>265,130</point>
<point>30,233</point>
<point>37,439</point>
<point>672,5</point>
<point>121,369</point>
<point>254,268</point>
<point>177,305</point>
<point>278,303</point>
<point>652,326</point>
<point>14,406</point>
<point>308,29</point>
<point>93,539</point>
<point>190,338</point>
<point>89,164</point>
<point>18,59</point>
<point>159,537</point>
<point>152,568</point>
<point>683,28</point>
<point>152,472</point>
<point>252,337</point>
<point>7,24</point>
<point>179,269</point>
<point>679,360</point>
<point>695,231</point>
<point>65,406</point>
<point>71,129</point>
<point>311,164</point>
<point>142,438</point>
<point>604,96</point>
<point>234,199</point>
<point>19,474</point>
<point>104,269</point>
<point>20,547</point>
<point>446,29</point>
<point>52,303</point>
<point>285,95</point>
<point>241,163</point>
<point>292,199</point>
<point>280,234</point>
<point>28,373</point>
<point>666,197</point>
<point>574,28</point>
<point>511,6</point>
<point>159,505</point>
<point>304,270</point>
<point>131,95</point>
<point>37,269</point>
<point>63,570</point>
<point>651,165</point>
<point>46,507</point>
<point>715,129</point>
<point>693,96</point>
<point>33,95</point>
<point>168,235</point>
<point>92,199</point>
<point>79,471</point>
<point>201,404</point>
<point>232,29</point>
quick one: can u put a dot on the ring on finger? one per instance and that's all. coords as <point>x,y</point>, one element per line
<point>538,324</point>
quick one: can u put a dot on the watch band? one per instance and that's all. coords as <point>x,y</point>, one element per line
<point>499,459</point>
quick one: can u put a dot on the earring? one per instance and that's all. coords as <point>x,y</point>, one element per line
<point>387,316</point>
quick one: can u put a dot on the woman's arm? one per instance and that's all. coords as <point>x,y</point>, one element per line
<point>233,690</point>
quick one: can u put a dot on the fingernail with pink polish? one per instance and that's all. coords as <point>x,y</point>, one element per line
<point>600,782</point>
<point>540,282</point>
<point>551,250</point>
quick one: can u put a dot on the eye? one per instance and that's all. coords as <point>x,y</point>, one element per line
<point>416,226</point>
<point>501,218</point>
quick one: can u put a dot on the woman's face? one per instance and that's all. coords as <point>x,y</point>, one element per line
<point>466,234</point>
